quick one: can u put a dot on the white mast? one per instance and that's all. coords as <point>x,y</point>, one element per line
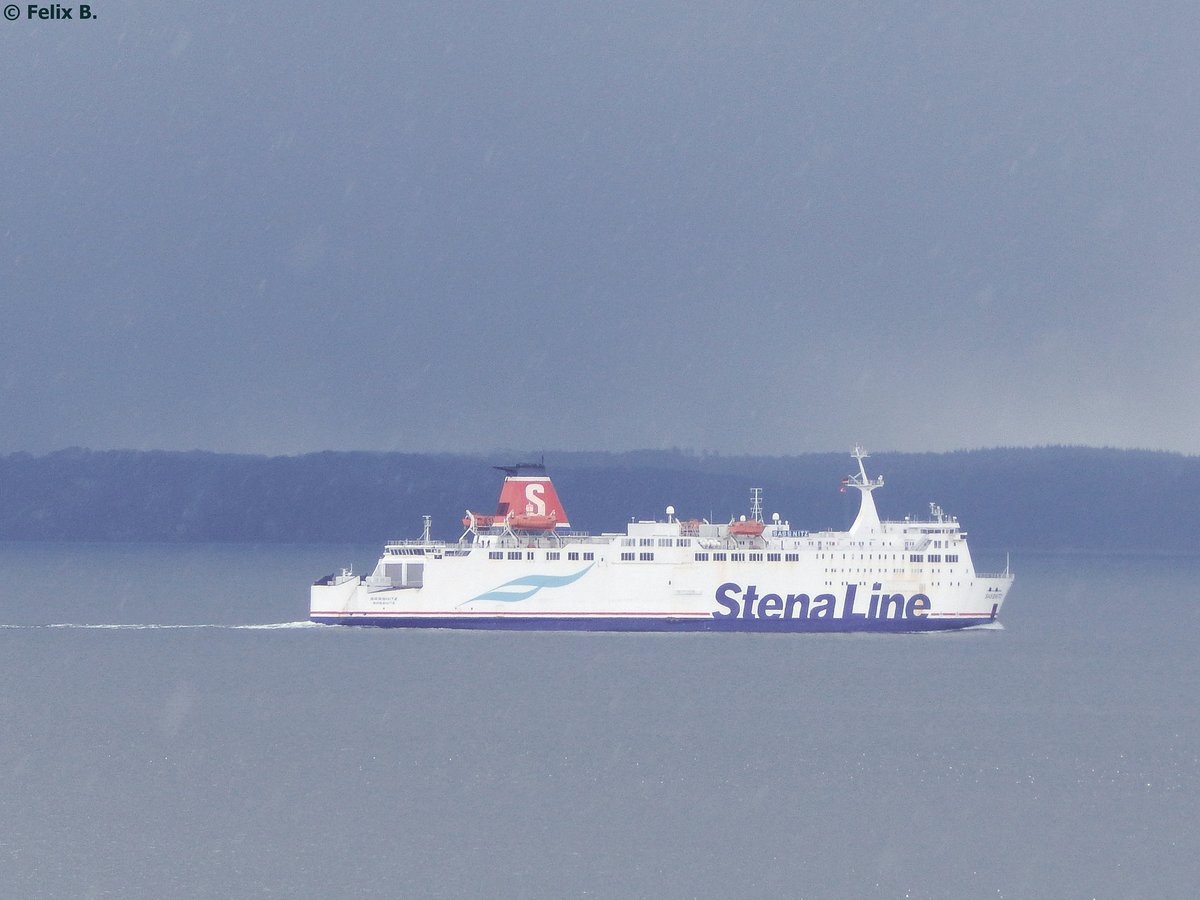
<point>868,517</point>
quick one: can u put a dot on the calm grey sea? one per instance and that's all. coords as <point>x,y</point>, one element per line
<point>1058,757</point>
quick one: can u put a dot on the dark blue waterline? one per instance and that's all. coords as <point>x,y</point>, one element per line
<point>546,623</point>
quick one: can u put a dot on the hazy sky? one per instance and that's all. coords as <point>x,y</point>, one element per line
<point>769,227</point>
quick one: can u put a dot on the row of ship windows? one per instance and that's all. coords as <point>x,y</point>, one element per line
<point>897,571</point>
<point>753,557</point>
<point>687,542</point>
<point>572,556</point>
<point>795,557</point>
<point>914,557</point>
<point>643,556</point>
<point>528,554</point>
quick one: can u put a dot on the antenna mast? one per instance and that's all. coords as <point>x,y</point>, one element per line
<point>868,517</point>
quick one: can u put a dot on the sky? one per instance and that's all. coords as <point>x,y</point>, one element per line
<point>730,227</point>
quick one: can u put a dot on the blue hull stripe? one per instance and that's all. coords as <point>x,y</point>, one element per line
<point>597,623</point>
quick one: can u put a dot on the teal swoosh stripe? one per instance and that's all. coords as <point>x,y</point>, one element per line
<point>497,594</point>
<point>534,583</point>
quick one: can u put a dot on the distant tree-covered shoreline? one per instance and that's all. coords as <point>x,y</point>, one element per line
<point>1051,498</point>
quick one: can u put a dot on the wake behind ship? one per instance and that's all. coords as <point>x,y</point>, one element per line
<point>523,567</point>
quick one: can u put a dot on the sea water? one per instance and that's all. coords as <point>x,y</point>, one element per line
<point>171,727</point>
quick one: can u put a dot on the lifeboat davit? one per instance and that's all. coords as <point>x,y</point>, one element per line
<point>746,528</point>
<point>479,520</point>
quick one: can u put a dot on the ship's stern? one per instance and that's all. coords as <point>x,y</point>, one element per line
<point>331,598</point>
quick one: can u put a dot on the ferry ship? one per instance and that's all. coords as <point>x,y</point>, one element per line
<point>522,567</point>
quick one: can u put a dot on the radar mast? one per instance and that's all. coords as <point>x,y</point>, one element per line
<point>868,517</point>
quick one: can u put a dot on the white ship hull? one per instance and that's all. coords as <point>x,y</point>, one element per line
<point>675,576</point>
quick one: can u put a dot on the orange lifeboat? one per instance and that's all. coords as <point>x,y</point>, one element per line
<point>745,528</point>
<point>479,520</point>
<point>532,522</point>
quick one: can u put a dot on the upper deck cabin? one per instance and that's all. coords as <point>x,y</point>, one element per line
<point>909,535</point>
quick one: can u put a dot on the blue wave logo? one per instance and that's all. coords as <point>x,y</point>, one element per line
<point>530,585</point>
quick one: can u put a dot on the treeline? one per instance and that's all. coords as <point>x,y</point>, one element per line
<point>1053,498</point>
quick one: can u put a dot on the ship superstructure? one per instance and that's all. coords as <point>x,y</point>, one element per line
<point>523,568</point>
